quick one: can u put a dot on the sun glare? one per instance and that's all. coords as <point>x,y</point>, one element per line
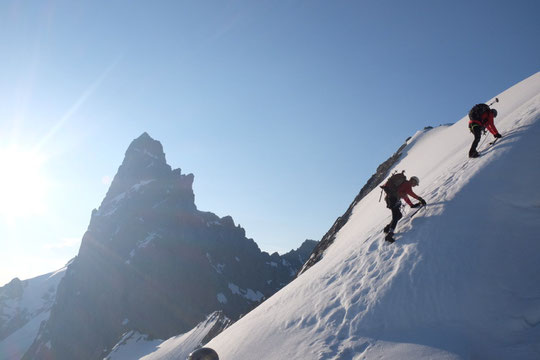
<point>23,186</point>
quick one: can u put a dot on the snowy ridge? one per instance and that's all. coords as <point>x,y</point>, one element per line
<point>110,207</point>
<point>138,346</point>
<point>23,310</point>
<point>462,280</point>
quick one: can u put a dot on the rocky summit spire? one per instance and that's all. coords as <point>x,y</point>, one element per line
<point>144,160</point>
<point>151,262</point>
<point>145,148</point>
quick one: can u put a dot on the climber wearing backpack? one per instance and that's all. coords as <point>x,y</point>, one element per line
<point>481,118</point>
<point>397,187</point>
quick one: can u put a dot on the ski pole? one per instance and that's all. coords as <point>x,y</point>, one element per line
<point>493,142</point>
<point>482,142</point>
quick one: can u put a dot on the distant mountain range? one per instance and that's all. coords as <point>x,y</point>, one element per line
<point>24,305</point>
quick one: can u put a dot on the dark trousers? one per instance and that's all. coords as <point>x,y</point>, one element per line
<point>477,132</point>
<point>394,204</point>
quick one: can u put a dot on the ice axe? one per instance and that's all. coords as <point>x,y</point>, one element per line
<point>494,101</point>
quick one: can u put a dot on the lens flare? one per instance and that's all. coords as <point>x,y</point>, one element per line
<point>23,185</point>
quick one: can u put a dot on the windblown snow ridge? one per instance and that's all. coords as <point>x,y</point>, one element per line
<point>462,280</point>
<point>381,173</point>
<point>24,305</point>
<point>135,345</point>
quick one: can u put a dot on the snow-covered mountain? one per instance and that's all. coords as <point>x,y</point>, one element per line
<point>24,305</point>
<point>462,280</point>
<point>134,345</point>
<point>152,263</point>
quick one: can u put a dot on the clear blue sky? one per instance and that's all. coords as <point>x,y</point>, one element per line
<point>281,109</point>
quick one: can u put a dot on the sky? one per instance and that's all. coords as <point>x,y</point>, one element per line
<point>281,109</point>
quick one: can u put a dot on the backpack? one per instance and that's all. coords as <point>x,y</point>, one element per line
<point>476,112</point>
<point>393,182</point>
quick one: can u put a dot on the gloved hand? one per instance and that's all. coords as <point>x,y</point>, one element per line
<point>497,136</point>
<point>422,201</point>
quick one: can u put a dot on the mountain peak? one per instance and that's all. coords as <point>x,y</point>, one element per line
<point>148,235</point>
<point>144,160</point>
<point>147,148</point>
<point>145,135</point>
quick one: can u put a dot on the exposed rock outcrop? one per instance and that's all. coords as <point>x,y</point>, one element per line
<point>151,261</point>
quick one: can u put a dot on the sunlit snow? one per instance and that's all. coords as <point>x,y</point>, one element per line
<point>462,280</point>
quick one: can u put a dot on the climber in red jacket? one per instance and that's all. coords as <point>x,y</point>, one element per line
<point>481,118</point>
<point>393,200</point>
<point>405,190</point>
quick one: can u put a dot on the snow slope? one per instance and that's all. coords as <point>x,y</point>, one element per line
<point>462,280</point>
<point>30,309</point>
<point>137,346</point>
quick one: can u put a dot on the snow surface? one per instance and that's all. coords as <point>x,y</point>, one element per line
<point>111,205</point>
<point>142,244</point>
<point>36,301</point>
<point>149,154</point>
<point>15,345</point>
<point>462,280</point>
<point>222,298</point>
<point>218,268</point>
<point>133,345</point>
<point>247,294</point>
<point>138,346</point>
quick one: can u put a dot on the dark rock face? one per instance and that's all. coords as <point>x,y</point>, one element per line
<point>14,319</point>
<point>220,322</point>
<point>374,180</point>
<point>151,262</point>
